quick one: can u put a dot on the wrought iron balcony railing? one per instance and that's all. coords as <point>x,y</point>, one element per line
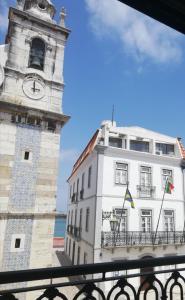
<point>74,231</point>
<point>133,238</point>
<point>77,232</point>
<point>145,191</point>
<point>151,284</point>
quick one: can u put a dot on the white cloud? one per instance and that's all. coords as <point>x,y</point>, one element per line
<point>139,35</point>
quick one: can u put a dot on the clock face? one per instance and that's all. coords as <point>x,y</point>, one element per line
<point>34,88</point>
<point>1,75</point>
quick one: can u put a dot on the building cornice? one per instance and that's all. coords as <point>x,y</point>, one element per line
<point>17,108</point>
<point>141,156</point>
<point>23,215</point>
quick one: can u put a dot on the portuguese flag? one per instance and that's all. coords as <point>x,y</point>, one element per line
<point>169,186</point>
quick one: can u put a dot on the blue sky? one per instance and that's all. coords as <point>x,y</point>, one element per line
<point>118,56</point>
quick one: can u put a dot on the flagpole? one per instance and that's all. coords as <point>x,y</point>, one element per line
<point>160,211</point>
<point>118,230</point>
<point>112,114</point>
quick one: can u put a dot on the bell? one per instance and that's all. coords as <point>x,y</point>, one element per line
<point>36,62</point>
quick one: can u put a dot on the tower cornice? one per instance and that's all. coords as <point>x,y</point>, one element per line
<point>27,16</point>
<point>16,108</point>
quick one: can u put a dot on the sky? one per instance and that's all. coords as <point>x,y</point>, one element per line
<point>115,56</point>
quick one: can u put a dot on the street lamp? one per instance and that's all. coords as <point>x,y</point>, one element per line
<point>113,227</point>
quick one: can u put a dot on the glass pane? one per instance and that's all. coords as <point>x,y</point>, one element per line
<point>115,142</point>
<point>139,146</point>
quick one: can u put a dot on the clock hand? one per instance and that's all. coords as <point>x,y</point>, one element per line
<point>34,87</point>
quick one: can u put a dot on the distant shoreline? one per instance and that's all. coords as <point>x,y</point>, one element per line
<point>61,215</point>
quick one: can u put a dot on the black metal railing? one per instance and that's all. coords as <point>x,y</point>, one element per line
<point>145,191</point>
<point>133,238</point>
<point>77,232</point>
<point>140,279</point>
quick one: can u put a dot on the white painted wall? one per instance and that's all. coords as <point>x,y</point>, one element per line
<point>108,195</point>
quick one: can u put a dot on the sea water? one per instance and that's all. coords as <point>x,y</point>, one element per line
<point>60,227</point>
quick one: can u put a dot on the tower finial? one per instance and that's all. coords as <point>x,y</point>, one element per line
<point>63,15</point>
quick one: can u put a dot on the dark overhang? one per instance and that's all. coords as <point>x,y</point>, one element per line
<point>169,12</point>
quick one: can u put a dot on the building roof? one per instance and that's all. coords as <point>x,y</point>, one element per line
<point>132,130</point>
<point>86,152</point>
<point>182,149</point>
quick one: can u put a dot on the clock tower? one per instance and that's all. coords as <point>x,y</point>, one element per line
<point>31,118</point>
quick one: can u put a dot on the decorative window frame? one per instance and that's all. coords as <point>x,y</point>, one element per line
<point>166,168</point>
<point>140,216</point>
<point>22,244</point>
<point>174,217</point>
<point>30,156</point>
<point>128,172</point>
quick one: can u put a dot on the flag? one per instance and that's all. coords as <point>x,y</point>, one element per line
<point>128,197</point>
<point>169,186</point>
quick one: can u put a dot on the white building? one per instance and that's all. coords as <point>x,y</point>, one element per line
<point>113,157</point>
<point>31,118</point>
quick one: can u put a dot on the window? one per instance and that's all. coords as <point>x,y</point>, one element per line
<point>69,218</point>
<point>146,220</point>
<point>85,258</point>
<point>145,176</point>
<point>73,187</point>
<point>80,220</point>
<point>26,155</point>
<point>121,213</point>
<point>17,243</point>
<point>165,175</point>
<point>75,216</point>
<point>70,193</point>
<point>77,189</point>
<point>82,187</point>
<point>169,224</point>
<point>42,5</point>
<point>115,142</point>
<point>78,256</point>
<point>51,125</point>
<point>73,196</point>
<point>87,220</point>
<point>37,54</point>
<point>72,217</point>
<point>145,189</point>
<point>166,149</point>
<point>139,146</point>
<point>69,247</point>
<point>89,177</point>
<point>31,120</point>
<point>121,174</point>
<point>83,178</point>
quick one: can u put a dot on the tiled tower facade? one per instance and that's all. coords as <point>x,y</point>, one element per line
<point>31,118</point>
